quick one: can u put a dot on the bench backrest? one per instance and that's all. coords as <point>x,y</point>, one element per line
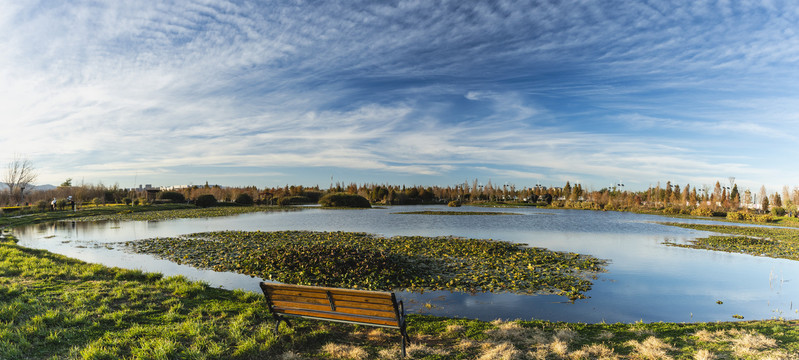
<point>375,308</point>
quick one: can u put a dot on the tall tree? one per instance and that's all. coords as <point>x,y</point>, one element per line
<point>19,175</point>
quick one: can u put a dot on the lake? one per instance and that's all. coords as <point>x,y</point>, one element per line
<point>645,279</point>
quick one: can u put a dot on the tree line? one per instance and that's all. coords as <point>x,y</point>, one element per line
<point>670,198</point>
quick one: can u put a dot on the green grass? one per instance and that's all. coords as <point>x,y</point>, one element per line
<point>780,243</point>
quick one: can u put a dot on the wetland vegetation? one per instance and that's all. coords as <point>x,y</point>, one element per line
<point>359,260</point>
<point>772,242</point>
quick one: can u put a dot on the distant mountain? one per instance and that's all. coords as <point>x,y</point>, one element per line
<point>35,187</point>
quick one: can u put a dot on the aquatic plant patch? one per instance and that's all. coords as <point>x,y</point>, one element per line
<point>433,212</point>
<point>360,260</point>
<point>758,241</point>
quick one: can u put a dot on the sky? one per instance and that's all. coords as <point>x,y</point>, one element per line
<point>268,93</point>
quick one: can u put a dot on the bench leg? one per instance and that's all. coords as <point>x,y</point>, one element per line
<point>278,319</point>
<point>403,346</point>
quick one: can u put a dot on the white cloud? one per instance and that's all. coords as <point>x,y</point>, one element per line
<point>137,87</point>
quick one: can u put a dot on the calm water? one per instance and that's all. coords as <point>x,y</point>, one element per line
<point>646,280</point>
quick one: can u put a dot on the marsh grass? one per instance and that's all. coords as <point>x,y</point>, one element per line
<point>757,241</point>
<point>360,260</point>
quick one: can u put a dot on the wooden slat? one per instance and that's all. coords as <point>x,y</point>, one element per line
<point>389,313</point>
<point>341,317</point>
<point>386,306</point>
<point>354,306</point>
<point>324,289</point>
<point>337,294</point>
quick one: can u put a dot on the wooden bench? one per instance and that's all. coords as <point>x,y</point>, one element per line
<point>373,308</point>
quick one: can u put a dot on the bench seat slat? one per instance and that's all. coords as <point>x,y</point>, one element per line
<point>387,306</point>
<point>382,298</point>
<point>327,315</point>
<point>386,313</point>
<point>323,290</point>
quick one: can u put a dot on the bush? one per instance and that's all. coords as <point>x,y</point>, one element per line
<point>244,199</point>
<point>136,201</point>
<point>127,201</point>
<point>702,212</point>
<point>61,204</point>
<point>207,200</point>
<point>767,218</point>
<point>42,205</point>
<point>98,201</point>
<point>671,210</point>
<point>172,196</point>
<point>344,200</point>
<point>736,216</point>
<point>293,200</point>
<point>778,211</point>
<point>454,203</point>
<point>313,196</point>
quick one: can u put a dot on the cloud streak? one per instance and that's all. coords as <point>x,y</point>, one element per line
<point>422,92</point>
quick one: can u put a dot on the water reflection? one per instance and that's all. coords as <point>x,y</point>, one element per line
<point>646,280</point>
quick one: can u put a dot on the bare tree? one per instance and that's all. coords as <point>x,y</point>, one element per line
<point>19,175</point>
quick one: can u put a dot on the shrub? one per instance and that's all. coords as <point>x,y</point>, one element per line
<point>98,201</point>
<point>136,201</point>
<point>454,203</point>
<point>671,210</point>
<point>127,201</point>
<point>778,211</point>
<point>172,196</point>
<point>244,199</point>
<point>702,212</point>
<point>61,204</point>
<point>42,205</point>
<point>207,200</point>
<point>609,207</point>
<point>293,200</point>
<point>736,216</point>
<point>313,195</point>
<point>344,200</point>
<point>767,218</point>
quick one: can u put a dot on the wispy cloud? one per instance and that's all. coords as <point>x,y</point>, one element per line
<point>429,90</point>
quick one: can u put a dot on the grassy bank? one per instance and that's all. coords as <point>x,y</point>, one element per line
<point>53,307</point>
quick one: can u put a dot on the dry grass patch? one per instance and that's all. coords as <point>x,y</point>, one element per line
<point>502,351</point>
<point>344,351</point>
<point>704,354</point>
<point>515,333</point>
<point>651,348</point>
<point>559,347</point>
<point>748,344</point>
<point>454,329</point>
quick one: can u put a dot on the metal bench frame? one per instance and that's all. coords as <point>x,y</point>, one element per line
<point>361,307</point>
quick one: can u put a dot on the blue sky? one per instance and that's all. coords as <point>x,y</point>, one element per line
<point>405,92</point>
